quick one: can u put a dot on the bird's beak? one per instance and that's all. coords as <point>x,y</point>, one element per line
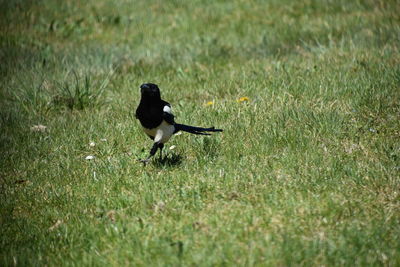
<point>144,86</point>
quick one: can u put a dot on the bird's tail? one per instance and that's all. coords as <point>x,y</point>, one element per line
<point>195,130</point>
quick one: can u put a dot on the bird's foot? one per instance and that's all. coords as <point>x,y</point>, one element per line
<point>144,161</point>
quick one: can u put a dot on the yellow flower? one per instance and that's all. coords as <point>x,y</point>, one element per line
<point>243,99</point>
<point>209,103</point>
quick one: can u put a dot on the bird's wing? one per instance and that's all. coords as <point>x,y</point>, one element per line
<point>167,113</point>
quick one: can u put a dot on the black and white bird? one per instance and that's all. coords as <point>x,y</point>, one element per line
<point>157,120</point>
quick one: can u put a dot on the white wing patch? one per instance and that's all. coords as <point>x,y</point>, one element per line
<point>167,109</point>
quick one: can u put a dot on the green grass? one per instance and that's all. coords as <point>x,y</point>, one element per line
<point>305,173</point>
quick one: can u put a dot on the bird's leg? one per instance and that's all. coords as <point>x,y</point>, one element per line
<point>161,146</point>
<point>153,151</point>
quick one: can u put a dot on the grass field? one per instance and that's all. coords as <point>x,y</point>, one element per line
<point>306,171</point>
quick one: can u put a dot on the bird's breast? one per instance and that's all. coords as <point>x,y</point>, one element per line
<point>161,133</point>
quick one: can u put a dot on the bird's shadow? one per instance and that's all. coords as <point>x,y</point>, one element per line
<point>171,160</point>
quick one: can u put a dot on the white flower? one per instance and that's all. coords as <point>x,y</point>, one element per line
<point>56,225</point>
<point>92,144</point>
<point>90,157</point>
<point>38,128</point>
<point>172,147</point>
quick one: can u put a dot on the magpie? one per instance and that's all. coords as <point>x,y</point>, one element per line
<point>157,120</point>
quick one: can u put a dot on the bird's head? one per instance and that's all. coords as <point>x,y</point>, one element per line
<point>150,90</point>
